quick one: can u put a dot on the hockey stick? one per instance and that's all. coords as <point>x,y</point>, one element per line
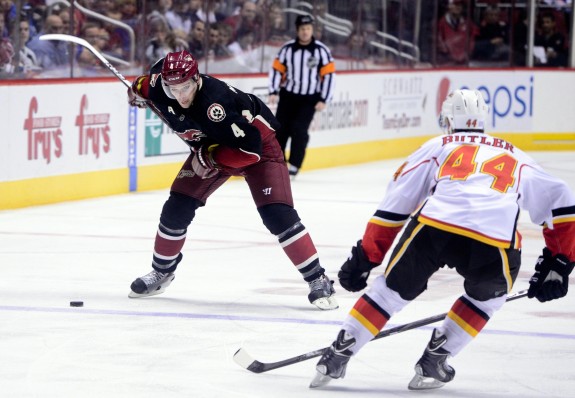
<point>107,64</point>
<point>84,43</point>
<point>242,358</point>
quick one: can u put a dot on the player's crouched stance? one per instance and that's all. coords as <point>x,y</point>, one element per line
<point>472,187</point>
<point>230,133</point>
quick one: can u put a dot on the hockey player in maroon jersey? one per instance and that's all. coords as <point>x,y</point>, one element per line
<point>230,133</point>
<point>462,193</point>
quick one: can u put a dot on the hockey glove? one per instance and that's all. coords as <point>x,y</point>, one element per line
<point>355,271</point>
<point>135,100</point>
<point>203,163</point>
<point>551,278</point>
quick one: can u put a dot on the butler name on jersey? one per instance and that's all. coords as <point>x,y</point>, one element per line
<point>462,193</point>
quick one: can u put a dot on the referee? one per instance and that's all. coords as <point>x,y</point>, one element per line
<point>303,76</point>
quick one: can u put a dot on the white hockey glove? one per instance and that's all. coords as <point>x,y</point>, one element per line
<point>134,98</point>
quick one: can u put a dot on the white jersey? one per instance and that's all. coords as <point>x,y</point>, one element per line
<point>474,185</point>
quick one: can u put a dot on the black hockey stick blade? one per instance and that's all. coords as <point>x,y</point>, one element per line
<point>245,360</point>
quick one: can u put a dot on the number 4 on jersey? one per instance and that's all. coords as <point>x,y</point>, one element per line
<point>460,164</point>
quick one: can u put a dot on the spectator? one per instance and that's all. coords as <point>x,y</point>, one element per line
<point>4,34</point>
<point>161,10</point>
<point>108,8</point>
<point>243,43</point>
<point>179,19</point>
<point>8,9</point>
<point>162,41</point>
<point>277,30</point>
<point>50,53</point>
<point>26,14</point>
<point>492,43</point>
<point>242,49</point>
<point>456,36</point>
<point>98,37</point>
<point>129,12</point>
<point>225,32</point>
<point>232,7</point>
<point>355,48</point>
<point>213,14</point>
<point>28,61</point>
<point>215,48</point>
<point>196,42</point>
<point>64,13</point>
<point>552,42</point>
<point>6,55</point>
<point>37,17</point>
<point>246,20</point>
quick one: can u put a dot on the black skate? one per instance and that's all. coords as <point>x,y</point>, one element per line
<point>334,360</point>
<point>292,171</point>
<point>151,284</point>
<point>321,293</point>
<point>432,370</point>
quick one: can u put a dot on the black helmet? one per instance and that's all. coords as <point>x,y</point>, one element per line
<point>303,20</point>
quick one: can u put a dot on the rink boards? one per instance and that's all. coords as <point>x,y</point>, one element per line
<point>65,140</point>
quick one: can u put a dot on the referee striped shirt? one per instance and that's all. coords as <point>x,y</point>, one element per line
<point>303,70</point>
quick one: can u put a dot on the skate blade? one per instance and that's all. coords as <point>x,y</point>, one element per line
<point>320,380</point>
<point>424,383</point>
<point>326,303</point>
<point>133,294</point>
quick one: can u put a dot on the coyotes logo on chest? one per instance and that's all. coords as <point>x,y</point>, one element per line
<point>216,113</point>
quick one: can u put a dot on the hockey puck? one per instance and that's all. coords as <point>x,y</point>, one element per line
<point>76,303</point>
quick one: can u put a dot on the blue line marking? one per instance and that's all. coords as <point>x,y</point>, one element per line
<point>132,148</point>
<point>188,315</point>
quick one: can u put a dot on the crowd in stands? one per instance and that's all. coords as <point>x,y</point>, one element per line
<point>466,34</point>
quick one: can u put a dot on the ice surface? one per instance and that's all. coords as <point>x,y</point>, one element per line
<point>236,288</point>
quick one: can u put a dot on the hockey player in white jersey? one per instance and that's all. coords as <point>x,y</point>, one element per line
<point>462,193</point>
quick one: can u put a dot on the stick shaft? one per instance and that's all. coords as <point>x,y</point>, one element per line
<point>261,367</point>
<point>84,43</point>
<point>107,64</point>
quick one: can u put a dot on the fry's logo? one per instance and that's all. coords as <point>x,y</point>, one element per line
<point>44,134</point>
<point>93,131</point>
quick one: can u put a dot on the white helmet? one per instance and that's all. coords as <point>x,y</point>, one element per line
<point>463,110</point>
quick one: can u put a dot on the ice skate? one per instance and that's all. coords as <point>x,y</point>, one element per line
<point>151,284</point>
<point>333,362</point>
<point>292,171</point>
<point>321,293</point>
<point>432,370</point>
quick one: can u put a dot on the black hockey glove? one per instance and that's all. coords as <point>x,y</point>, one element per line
<point>203,164</point>
<point>551,278</point>
<point>355,271</point>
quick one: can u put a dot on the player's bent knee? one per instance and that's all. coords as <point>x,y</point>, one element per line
<point>278,217</point>
<point>488,306</point>
<point>179,211</point>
